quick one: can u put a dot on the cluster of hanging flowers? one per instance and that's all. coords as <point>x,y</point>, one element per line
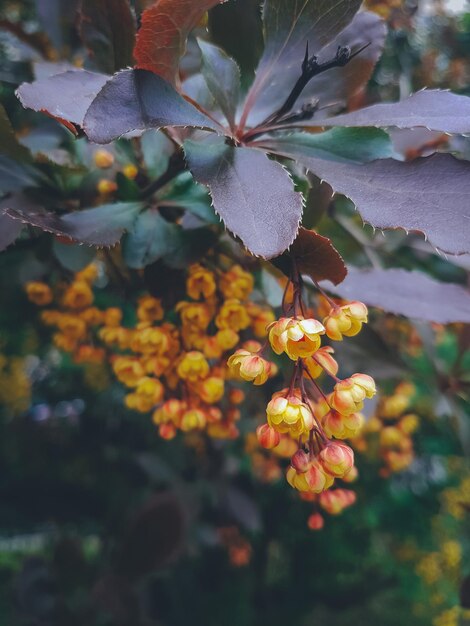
<point>186,367</point>
<point>317,421</point>
<point>172,363</point>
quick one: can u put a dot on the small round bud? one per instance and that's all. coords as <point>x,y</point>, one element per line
<point>267,436</point>
<point>103,159</point>
<point>301,461</point>
<point>315,521</point>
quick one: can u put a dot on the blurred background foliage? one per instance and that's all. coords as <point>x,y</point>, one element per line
<point>103,523</point>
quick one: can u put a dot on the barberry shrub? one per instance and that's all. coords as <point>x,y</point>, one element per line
<point>191,141</point>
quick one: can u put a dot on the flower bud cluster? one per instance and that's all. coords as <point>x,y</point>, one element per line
<point>173,366</point>
<point>314,421</point>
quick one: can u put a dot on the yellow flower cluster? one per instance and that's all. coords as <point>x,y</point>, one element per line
<point>15,386</point>
<point>302,412</point>
<point>175,369</point>
<point>390,430</point>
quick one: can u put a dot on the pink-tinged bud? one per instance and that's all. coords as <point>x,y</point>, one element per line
<point>334,502</point>
<point>315,521</point>
<point>301,461</point>
<point>349,394</point>
<point>314,480</point>
<point>298,338</point>
<point>351,476</point>
<point>288,414</point>
<point>321,361</point>
<point>268,437</point>
<point>345,320</point>
<point>167,431</point>
<point>342,426</point>
<point>337,459</point>
<point>249,366</point>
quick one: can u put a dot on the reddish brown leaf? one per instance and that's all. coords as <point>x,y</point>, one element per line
<point>161,40</point>
<point>315,256</point>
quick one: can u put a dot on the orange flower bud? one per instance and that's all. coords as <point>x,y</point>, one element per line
<point>167,431</point>
<point>337,459</point>
<point>112,317</point>
<point>343,426</point>
<point>301,461</point>
<point>227,339</point>
<point>196,316</point>
<point>72,326</point>
<point>236,396</point>
<point>39,293</point>
<point>408,423</point>
<point>193,419</point>
<point>268,437</point>
<point>334,502</point>
<point>349,394</point>
<point>315,521</point>
<point>233,315</point>
<point>298,338</point>
<point>170,411</point>
<point>345,320</point>
<point>249,366</point>
<point>236,283</point>
<point>288,414</point>
<point>78,295</point>
<point>130,171</point>
<point>128,370</point>
<point>211,390</point>
<point>351,476</point>
<point>391,437</point>
<point>149,309</point>
<point>106,187</point>
<point>150,340</point>
<point>200,283</point>
<point>320,362</point>
<point>261,318</point>
<point>103,159</point>
<point>314,479</point>
<point>193,367</point>
<point>92,316</point>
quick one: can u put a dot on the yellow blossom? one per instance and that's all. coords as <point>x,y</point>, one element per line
<point>200,283</point>
<point>236,283</point>
<point>39,293</point>
<point>193,367</point>
<point>346,320</point>
<point>298,338</point>
<point>232,315</point>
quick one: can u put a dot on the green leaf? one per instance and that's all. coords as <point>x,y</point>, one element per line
<point>338,144</point>
<point>253,195</point>
<point>9,145</point>
<point>222,77</point>
<point>188,195</point>
<point>151,238</point>
<point>72,256</point>
<point>156,150</point>
<point>100,226</point>
<point>107,28</point>
<point>193,244</point>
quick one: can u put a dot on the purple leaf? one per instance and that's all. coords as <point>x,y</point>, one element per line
<point>412,294</point>
<point>288,26</point>
<point>139,100</point>
<point>222,77</point>
<point>107,28</point>
<point>339,84</point>
<point>9,230</point>
<point>253,195</point>
<point>100,226</point>
<point>429,195</point>
<point>65,96</point>
<point>432,108</point>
